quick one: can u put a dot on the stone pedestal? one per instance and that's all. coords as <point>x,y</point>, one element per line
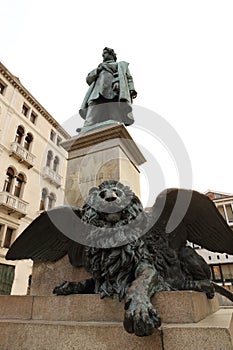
<point>87,322</point>
<point>47,275</point>
<point>108,153</point>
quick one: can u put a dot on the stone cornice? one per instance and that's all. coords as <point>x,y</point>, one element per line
<point>110,132</point>
<point>26,94</point>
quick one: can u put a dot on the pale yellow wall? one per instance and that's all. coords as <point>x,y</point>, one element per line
<point>10,117</point>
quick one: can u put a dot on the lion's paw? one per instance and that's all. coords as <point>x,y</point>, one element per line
<point>140,318</point>
<point>64,288</point>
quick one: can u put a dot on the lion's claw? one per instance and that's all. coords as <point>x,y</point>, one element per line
<point>141,318</point>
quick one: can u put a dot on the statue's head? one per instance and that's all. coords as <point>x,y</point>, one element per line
<point>109,54</point>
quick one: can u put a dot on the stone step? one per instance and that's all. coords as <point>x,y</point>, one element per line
<point>184,306</point>
<point>173,307</point>
<point>64,335</point>
<point>215,332</point>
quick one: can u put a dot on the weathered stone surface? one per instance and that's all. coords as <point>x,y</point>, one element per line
<point>78,308</point>
<point>41,335</point>
<point>173,307</point>
<point>215,332</point>
<point>46,276</point>
<point>87,322</point>
<point>223,301</point>
<point>16,307</point>
<point>184,306</point>
<point>107,153</point>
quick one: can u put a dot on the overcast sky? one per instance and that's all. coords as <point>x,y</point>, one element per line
<point>181,59</point>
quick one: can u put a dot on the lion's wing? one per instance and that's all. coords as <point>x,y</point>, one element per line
<point>190,215</point>
<point>50,236</point>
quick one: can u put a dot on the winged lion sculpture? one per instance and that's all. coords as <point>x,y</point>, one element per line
<point>130,252</point>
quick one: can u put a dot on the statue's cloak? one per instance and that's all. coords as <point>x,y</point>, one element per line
<point>126,84</point>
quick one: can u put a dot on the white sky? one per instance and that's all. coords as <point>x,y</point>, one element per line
<point>181,59</point>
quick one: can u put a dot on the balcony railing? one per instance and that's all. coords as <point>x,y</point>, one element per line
<point>13,205</point>
<point>23,155</point>
<point>52,176</point>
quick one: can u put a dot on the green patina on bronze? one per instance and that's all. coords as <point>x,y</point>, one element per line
<point>110,94</point>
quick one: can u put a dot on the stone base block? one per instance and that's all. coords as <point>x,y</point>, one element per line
<point>54,335</point>
<point>215,332</point>
<point>173,307</point>
<point>47,275</point>
<point>87,322</point>
<point>184,306</point>
<point>81,308</point>
<point>16,307</point>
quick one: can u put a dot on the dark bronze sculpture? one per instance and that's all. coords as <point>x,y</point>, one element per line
<point>130,252</point>
<point>110,94</point>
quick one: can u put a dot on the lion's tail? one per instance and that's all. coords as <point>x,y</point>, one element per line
<point>223,291</point>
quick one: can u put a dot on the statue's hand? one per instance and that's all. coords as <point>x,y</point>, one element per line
<point>133,93</point>
<point>140,316</point>
<point>116,87</point>
<point>99,68</point>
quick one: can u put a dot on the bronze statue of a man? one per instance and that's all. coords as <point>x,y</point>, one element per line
<point>110,94</point>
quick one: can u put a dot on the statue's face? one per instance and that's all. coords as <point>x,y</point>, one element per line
<point>106,56</point>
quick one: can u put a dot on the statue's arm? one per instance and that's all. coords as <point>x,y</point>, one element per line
<point>92,76</point>
<point>132,90</point>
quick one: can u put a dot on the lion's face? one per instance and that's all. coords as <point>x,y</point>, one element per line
<point>115,215</point>
<point>112,201</point>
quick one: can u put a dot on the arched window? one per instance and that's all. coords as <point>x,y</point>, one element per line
<point>56,163</point>
<point>49,158</point>
<point>44,195</point>
<point>51,200</point>
<point>19,185</point>
<point>19,134</point>
<point>8,180</point>
<point>28,141</point>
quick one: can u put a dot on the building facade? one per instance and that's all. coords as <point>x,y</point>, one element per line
<point>32,171</point>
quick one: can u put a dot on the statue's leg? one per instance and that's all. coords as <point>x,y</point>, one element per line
<point>197,270</point>
<point>102,110</point>
<point>83,287</point>
<point>95,112</point>
<point>140,316</point>
<point>89,117</point>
